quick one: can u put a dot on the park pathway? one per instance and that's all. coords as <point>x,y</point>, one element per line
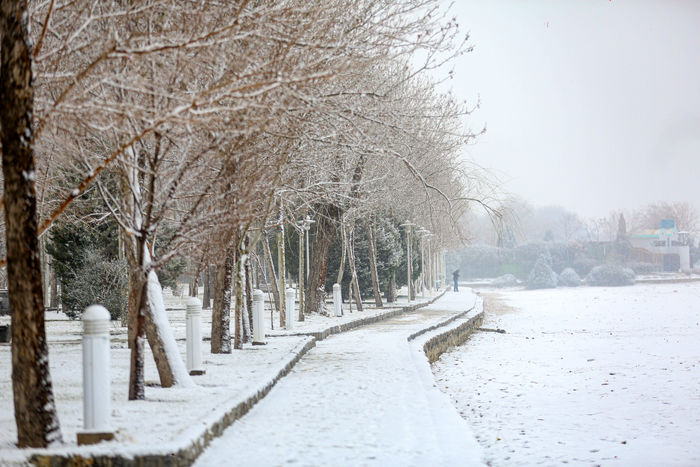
<point>365,397</point>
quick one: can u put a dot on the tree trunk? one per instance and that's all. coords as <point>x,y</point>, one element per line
<point>171,367</point>
<point>272,276</point>
<point>373,265</point>
<point>221,313</point>
<point>239,333</point>
<point>35,410</point>
<point>53,284</point>
<point>45,272</point>
<point>194,287</point>
<point>133,300</point>
<point>343,249</point>
<point>151,321</point>
<point>206,297</point>
<point>409,263</point>
<point>137,338</point>
<point>390,292</point>
<point>325,233</point>
<point>281,273</point>
<point>249,296</point>
<point>353,271</point>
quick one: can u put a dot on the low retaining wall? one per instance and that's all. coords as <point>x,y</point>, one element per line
<point>452,338</point>
<point>454,335</point>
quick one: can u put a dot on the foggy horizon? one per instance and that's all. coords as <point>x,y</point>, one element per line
<point>589,105</point>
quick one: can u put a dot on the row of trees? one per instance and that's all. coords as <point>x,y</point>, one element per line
<point>522,223</point>
<point>195,129</point>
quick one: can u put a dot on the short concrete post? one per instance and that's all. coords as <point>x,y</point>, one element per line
<point>258,318</point>
<point>96,384</point>
<point>337,300</point>
<point>194,336</point>
<point>289,308</point>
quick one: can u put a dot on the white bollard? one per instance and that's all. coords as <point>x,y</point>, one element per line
<point>194,336</point>
<point>289,308</point>
<point>337,300</point>
<point>258,317</point>
<point>96,383</point>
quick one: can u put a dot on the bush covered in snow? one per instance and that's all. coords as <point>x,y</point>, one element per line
<point>542,276</point>
<point>644,268</point>
<point>610,275</point>
<point>98,281</point>
<point>569,278</point>
<point>583,266</point>
<point>482,261</point>
<point>506,280</point>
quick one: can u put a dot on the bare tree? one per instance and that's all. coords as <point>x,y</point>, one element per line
<point>684,214</point>
<point>35,411</point>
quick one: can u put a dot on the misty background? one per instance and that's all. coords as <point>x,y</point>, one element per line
<point>591,105</point>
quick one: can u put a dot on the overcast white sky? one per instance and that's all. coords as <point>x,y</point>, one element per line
<point>593,105</point>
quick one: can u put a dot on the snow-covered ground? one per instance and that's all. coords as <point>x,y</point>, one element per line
<point>167,416</point>
<point>586,376</point>
<point>364,397</point>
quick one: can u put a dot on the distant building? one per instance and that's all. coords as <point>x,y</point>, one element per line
<point>666,247</point>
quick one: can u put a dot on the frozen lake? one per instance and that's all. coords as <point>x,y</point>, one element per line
<point>589,376</point>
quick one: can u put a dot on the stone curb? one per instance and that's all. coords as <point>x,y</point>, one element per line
<point>442,323</point>
<point>436,345</point>
<point>337,329</point>
<point>188,454</point>
<point>679,280</point>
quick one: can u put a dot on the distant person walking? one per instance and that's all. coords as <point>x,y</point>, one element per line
<point>455,278</point>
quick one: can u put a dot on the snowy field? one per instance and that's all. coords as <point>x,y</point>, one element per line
<point>586,376</point>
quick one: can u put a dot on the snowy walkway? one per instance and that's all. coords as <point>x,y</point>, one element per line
<point>586,376</point>
<point>358,398</point>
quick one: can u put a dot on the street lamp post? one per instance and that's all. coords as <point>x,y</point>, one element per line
<point>307,226</point>
<point>300,232</point>
<point>421,232</point>
<point>424,234</point>
<point>303,227</point>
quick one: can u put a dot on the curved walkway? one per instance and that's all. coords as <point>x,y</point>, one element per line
<point>358,398</point>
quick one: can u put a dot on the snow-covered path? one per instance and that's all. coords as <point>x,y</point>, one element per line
<point>359,398</point>
<point>586,376</point>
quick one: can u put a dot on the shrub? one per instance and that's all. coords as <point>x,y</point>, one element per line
<point>528,254</point>
<point>583,266</point>
<point>610,275</point>
<point>643,268</point>
<point>542,276</point>
<point>520,271</point>
<point>559,254</point>
<point>506,280</point>
<point>569,278</point>
<point>98,281</point>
